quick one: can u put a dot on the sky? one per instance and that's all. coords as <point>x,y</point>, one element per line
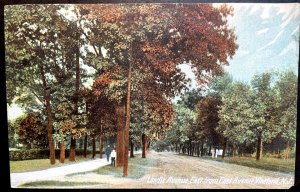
<point>266,35</point>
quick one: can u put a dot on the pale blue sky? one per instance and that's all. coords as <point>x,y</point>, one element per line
<point>266,38</point>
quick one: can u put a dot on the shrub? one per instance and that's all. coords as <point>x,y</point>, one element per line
<point>38,154</point>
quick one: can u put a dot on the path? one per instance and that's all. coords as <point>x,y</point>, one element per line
<point>57,172</point>
<point>177,171</point>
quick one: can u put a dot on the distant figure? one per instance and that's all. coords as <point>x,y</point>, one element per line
<point>107,152</point>
<point>217,153</point>
<point>113,157</point>
<point>212,153</point>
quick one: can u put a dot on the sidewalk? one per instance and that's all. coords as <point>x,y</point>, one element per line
<point>56,173</point>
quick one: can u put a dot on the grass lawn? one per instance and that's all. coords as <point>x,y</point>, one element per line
<point>56,183</point>
<point>273,164</point>
<point>137,167</point>
<point>40,164</point>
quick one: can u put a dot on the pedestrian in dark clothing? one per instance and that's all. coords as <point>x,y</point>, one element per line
<point>107,152</point>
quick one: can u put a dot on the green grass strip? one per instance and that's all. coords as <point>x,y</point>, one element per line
<point>56,183</point>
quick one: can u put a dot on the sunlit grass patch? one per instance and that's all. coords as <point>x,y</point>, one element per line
<point>56,183</point>
<point>137,168</point>
<point>40,164</point>
<point>273,164</point>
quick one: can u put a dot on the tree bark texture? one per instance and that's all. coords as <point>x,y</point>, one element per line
<point>120,109</point>
<point>127,124</point>
<point>49,116</point>
<point>100,146</point>
<point>85,146</point>
<point>72,149</point>
<point>144,141</point>
<point>131,149</point>
<point>259,148</point>
<point>94,148</point>
<point>62,151</point>
<point>224,148</point>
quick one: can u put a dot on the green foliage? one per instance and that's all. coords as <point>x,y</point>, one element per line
<point>12,133</point>
<point>234,113</point>
<point>28,154</point>
<point>219,84</point>
<point>261,110</point>
<point>265,105</point>
<point>286,88</point>
<point>183,124</point>
<point>19,155</point>
<point>191,98</point>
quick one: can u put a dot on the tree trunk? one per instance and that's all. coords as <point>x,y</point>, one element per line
<point>233,149</point>
<point>80,144</point>
<point>144,140</point>
<point>72,149</point>
<point>202,149</point>
<point>49,116</point>
<point>62,151</point>
<point>194,150</point>
<point>259,148</point>
<point>85,146</point>
<point>94,148</point>
<point>148,144</point>
<point>72,156</point>
<point>100,146</point>
<point>287,149</point>
<point>120,134</point>
<point>224,148</point>
<point>209,151</point>
<point>131,149</point>
<point>127,123</point>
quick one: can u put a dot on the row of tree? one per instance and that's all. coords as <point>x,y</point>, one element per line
<point>238,115</point>
<point>131,54</point>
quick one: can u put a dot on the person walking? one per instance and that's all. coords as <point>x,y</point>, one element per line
<point>113,157</point>
<point>107,152</point>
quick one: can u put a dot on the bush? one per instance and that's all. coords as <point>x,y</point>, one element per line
<point>38,154</point>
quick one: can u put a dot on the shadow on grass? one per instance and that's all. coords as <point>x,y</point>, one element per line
<point>137,168</point>
<point>56,183</point>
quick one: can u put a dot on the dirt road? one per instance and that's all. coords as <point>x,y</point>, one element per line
<point>176,171</point>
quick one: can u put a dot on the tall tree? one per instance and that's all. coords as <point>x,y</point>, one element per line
<point>31,35</point>
<point>286,87</point>
<point>216,88</point>
<point>207,120</point>
<point>265,102</point>
<point>156,38</point>
<point>234,113</point>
